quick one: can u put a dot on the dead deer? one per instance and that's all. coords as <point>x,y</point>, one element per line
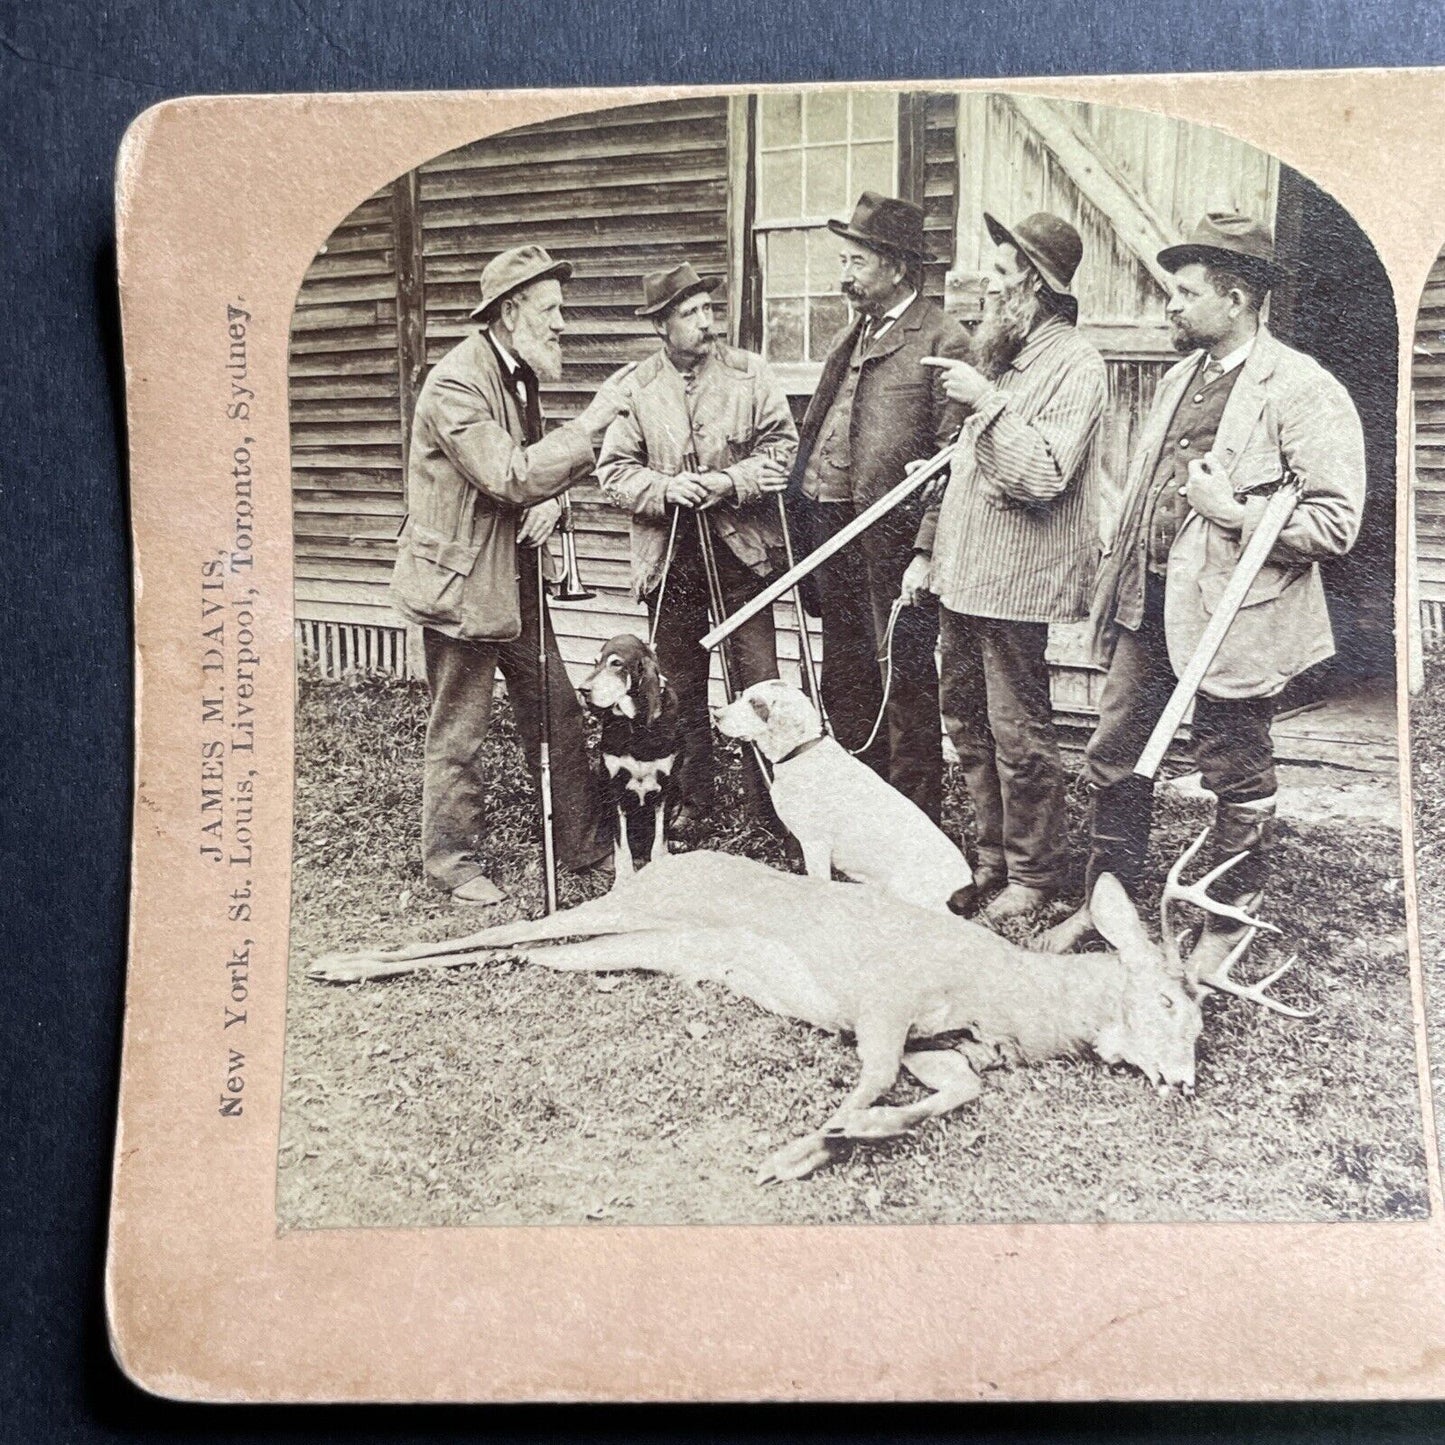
<point>850,958</point>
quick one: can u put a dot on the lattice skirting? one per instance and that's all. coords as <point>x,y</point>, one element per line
<point>1432,623</point>
<point>335,649</point>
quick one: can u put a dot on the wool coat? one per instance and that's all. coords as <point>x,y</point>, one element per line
<point>470,476</point>
<point>900,414</point>
<point>1286,416</point>
<point>733,420</point>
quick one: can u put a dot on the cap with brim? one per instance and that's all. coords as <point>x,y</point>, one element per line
<point>886,224</point>
<point>662,290</point>
<point>512,270</point>
<point>1231,241</point>
<point>1048,243</point>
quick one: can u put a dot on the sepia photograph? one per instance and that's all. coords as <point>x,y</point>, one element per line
<point>845,672</point>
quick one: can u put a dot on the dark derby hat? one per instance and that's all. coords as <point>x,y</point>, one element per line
<point>887,224</point>
<point>662,290</point>
<point>514,269</point>
<point>1231,240</point>
<point>1048,243</point>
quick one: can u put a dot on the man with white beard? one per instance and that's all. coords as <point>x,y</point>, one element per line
<point>481,479</point>
<point>1012,546</point>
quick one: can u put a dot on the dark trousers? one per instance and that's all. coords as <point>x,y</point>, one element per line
<point>856,588</point>
<point>1231,745</point>
<point>994,692</point>
<point>461,677</point>
<point>752,654</point>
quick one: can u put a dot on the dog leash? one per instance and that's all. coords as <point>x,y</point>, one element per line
<point>662,585</point>
<point>886,658</point>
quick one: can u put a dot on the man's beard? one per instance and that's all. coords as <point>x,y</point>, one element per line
<point>1007,321</point>
<point>857,301</point>
<point>1183,338</point>
<point>537,346</point>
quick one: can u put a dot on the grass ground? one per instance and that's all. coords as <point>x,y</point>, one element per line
<point>1427,764</point>
<point>511,1094</point>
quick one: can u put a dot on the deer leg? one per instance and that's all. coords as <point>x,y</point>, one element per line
<point>880,1049</point>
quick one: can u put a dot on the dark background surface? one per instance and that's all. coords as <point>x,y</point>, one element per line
<point>72,78</point>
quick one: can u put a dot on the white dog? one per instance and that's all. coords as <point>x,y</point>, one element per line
<point>840,811</point>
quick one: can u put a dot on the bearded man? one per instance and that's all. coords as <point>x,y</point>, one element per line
<point>875,410</point>
<point>480,479</point>
<point>1012,547</point>
<point>708,441</point>
<point>1239,416</point>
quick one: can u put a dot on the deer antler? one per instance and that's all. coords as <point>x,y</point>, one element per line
<point>1255,992</point>
<point>1198,894</point>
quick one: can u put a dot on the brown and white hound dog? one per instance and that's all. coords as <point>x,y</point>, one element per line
<point>641,745</point>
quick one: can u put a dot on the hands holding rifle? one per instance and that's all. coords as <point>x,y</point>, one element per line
<point>701,491</point>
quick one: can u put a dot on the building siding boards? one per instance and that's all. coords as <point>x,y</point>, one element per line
<point>1428,388</point>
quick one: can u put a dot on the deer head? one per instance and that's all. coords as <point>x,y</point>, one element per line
<point>1158,1021</point>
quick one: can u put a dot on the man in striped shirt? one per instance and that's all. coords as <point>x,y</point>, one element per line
<point>1012,546</point>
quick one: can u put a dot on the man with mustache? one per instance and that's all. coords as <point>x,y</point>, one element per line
<point>480,482</point>
<point>875,410</point>
<point>1012,546</point>
<point>1240,415</point>
<point>709,440</point>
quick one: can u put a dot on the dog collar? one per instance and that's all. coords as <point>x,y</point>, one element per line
<point>802,748</point>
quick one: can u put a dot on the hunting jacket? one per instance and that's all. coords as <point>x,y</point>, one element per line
<point>900,414</point>
<point>729,417</point>
<point>1285,416</point>
<point>470,476</point>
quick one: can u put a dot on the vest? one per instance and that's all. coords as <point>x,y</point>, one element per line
<point>828,477</point>
<point>1191,433</point>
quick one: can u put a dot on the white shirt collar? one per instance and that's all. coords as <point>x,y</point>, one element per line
<point>1238,356</point>
<point>507,357</point>
<point>898,310</point>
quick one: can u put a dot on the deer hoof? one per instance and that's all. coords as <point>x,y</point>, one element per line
<point>343,968</point>
<point>795,1161</point>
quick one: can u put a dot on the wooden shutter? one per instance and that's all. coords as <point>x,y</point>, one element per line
<point>1428,382</point>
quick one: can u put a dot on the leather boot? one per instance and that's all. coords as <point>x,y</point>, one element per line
<point>1238,828</point>
<point>1119,833</point>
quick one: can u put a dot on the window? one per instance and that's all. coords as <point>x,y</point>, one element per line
<point>816,154</point>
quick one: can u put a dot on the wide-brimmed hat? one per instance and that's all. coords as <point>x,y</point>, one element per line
<point>664,289</point>
<point>1047,242</point>
<point>514,269</point>
<point>885,223</point>
<point>1232,240</point>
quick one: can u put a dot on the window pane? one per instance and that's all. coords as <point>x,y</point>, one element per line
<point>785,331</point>
<point>784,273</point>
<point>827,116</point>
<point>874,169</point>
<point>826,190</point>
<point>875,115</point>
<point>780,187</point>
<point>822,260</point>
<point>827,317</point>
<point>780,120</point>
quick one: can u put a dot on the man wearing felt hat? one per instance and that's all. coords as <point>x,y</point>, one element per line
<point>876,409</point>
<point>1240,414</point>
<point>1012,546</point>
<point>708,434</point>
<point>481,477</point>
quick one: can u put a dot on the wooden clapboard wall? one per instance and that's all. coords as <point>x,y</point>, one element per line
<point>346,441</point>
<point>618,193</point>
<point>1428,385</point>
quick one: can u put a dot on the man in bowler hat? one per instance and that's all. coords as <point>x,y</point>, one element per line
<point>708,439</point>
<point>1241,414</point>
<point>1012,547</point>
<point>876,409</point>
<point>481,479</point>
